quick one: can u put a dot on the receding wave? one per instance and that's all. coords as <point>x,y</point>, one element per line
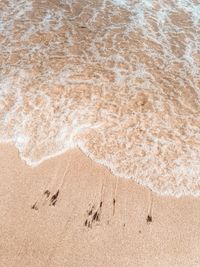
<point>118,79</point>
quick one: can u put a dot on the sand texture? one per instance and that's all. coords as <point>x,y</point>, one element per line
<point>60,228</point>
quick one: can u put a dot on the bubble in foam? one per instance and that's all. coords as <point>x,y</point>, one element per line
<point>118,79</point>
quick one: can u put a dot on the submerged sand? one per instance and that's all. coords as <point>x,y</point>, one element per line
<point>58,235</point>
<point>118,79</point>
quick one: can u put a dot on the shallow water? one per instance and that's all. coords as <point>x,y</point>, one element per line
<point>118,79</point>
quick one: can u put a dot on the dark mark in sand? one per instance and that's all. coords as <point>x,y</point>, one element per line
<point>149,219</point>
<point>90,212</point>
<point>34,207</point>
<point>95,216</point>
<point>54,198</point>
<point>47,193</point>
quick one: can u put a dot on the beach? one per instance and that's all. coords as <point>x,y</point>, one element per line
<point>56,235</point>
<point>99,133</point>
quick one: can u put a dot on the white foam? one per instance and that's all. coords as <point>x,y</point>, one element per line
<point>106,78</point>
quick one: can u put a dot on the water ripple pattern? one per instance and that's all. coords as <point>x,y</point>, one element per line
<point>119,79</point>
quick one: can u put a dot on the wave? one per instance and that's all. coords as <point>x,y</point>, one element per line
<point>118,79</point>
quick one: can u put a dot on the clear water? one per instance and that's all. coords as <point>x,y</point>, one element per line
<point>119,79</point>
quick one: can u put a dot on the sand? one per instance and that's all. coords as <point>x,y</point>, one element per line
<point>56,235</point>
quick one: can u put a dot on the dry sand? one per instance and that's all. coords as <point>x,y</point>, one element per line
<point>56,235</point>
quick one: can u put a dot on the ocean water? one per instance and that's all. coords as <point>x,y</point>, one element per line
<point>118,79</point>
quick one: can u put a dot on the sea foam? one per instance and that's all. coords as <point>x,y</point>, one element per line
<point>118,79</point>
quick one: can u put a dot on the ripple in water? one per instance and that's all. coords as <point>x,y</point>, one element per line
<point>119,79</point>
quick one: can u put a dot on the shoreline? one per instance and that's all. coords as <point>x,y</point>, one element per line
<point>102,163</point>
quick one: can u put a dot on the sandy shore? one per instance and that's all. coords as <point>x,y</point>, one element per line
<point>79,226</point>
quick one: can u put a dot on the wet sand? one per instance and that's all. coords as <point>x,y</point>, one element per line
<point>79,225</point>
<point>118,79</point>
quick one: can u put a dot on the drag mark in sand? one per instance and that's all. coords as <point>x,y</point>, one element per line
<point>93,215</point>
<point>53,199</point>
<point>115,194</point>
<point>149,216</point>
<point>55,186</point>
